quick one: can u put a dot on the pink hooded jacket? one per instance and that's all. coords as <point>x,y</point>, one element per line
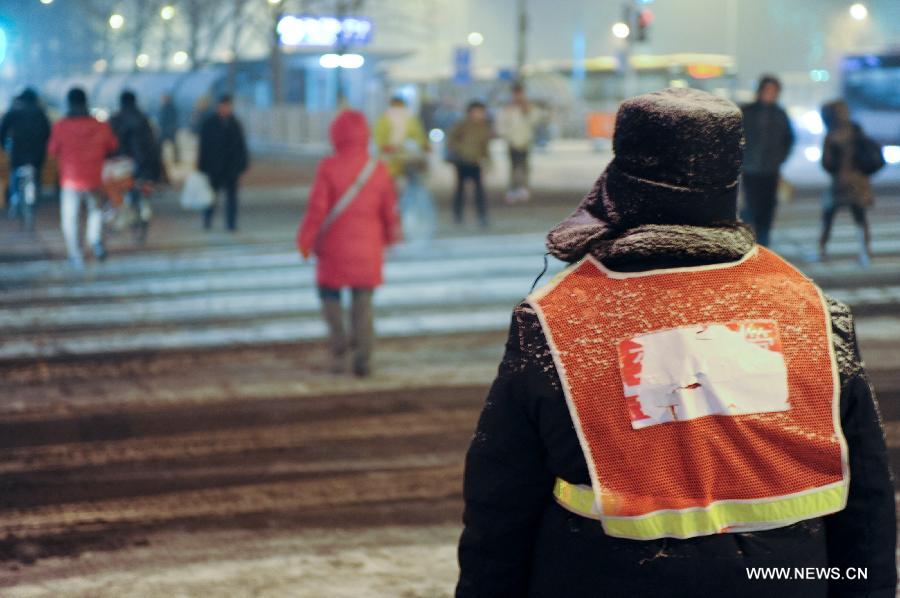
<point>351,252</point>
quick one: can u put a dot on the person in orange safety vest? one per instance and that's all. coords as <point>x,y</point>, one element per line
<point>680,411</point>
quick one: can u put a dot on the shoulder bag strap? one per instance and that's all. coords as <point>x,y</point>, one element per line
<point>347,198</point>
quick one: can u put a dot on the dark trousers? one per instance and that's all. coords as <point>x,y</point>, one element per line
<point>760,201</point>
<point>231,206</point>
<point>518,168</point>
<point>469,172</point>
<point>859,217</point>
<point>362,328</point>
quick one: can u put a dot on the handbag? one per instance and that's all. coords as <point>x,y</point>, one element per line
<point>346,199</point>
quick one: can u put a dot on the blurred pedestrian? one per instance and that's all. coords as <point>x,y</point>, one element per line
<point>223,158</point>
<point>400,138</point>
<point>24,132</point>
<point>516,124</point>
<point>850,185</point>
<point>80,144</point>
<point>467,149</point>
<point>769,139</point>
<point>168,125</point>
<point>680,406</point>
<point>137,141</point>
<point>200,113</point>
<point>350,218</point>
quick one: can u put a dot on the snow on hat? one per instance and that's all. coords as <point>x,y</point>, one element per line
<point>678,155</point>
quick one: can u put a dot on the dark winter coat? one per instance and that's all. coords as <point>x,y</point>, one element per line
<point>168,121</point>
<point>849,185</point>
<point>223,150</point>
<point>518,542</point>
<point>24,132</point>
<point>138,141</point>
<point>769,138</point>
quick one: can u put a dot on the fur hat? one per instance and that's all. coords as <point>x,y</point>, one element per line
<point>678,156</point>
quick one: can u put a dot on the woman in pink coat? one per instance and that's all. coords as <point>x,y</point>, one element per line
<point>350,219</point>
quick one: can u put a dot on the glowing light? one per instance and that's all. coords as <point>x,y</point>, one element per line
<point>345,61</point>
<point>330,61</point>
<point>100,66</point>
<point>116,21</point>
<point>46,1</point>
<point>352,61</point>
<point>436,135</point>
<point>705,71</point>
<point>167,12</point>
<point>819,75</point>
<point>2,46</point>
<point>475,39</point>
<point>813,153</point>
<point>180,57</point>
<point>621,30</point>
<point>812,122</point>
<point>274,2</point>
<point>859,11</point>
<point>142,60</point>
<point>891,154</point>
<point>323,31</point>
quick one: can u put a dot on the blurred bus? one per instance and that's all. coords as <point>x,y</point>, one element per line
<point>871,86</point>
<point>603,82</point>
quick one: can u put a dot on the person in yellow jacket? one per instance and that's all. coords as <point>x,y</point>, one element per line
<point>400,137</point>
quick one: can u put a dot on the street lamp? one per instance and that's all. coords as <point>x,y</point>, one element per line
<point>475,39</point>
<point>859,11</point>
<point>180,57</point>
<point>116,21</point>
<point>167,12</point>
<point>142,61</point>
<point>621,30</point>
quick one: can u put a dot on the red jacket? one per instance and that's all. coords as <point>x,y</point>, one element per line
<point>80,145</point>
<point>351,252</point>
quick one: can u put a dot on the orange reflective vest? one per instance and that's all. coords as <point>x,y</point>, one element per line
<point>705,399</point>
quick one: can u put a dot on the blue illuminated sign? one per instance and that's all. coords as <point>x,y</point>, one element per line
<point>296,31</point>
<point>462,65</point>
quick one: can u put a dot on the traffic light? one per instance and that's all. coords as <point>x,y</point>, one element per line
<point>644,18</point>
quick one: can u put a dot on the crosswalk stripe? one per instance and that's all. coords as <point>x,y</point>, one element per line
<point>262,293</point>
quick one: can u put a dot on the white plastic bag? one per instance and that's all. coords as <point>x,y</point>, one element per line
<point>197,193</point>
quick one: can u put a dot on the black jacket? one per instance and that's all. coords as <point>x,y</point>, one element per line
<point>168,121</point>
<point>138,141</point>
<point>223,150</point>
<point>518,542</point>
<point>769,138</point>
<point>24,132</point>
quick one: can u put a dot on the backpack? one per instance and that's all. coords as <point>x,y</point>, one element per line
<point>868,157</point>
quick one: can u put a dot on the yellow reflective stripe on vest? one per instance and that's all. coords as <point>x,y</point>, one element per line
<point>722,516</point>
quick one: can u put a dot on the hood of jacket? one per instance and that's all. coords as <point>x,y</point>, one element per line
<point>349,132</point>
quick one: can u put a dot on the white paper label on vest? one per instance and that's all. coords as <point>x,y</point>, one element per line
<point>680,374</point>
